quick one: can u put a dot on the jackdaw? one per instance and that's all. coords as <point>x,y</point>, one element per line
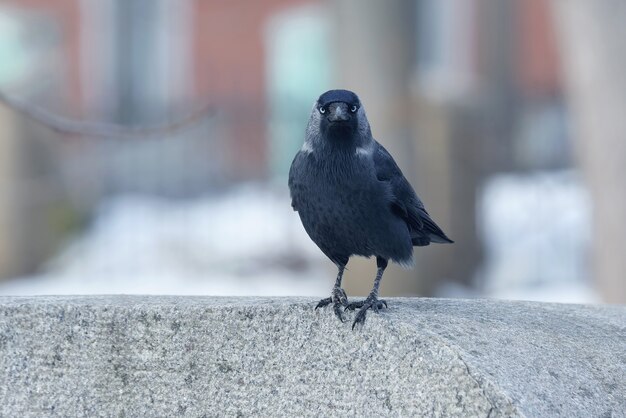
<point>353,199</point>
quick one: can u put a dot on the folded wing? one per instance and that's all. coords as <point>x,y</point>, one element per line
<point>405,203</point>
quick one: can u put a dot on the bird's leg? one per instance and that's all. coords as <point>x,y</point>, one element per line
<point>372,301</point>
<point>338,296</point>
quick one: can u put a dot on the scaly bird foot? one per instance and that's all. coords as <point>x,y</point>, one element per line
<point>338,298</point>
<point>371,302</point>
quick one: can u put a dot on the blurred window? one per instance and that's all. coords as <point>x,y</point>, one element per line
<point>446,47</point>
<point>144,48</point>
<point>27,39</point>
<point>297,41</point>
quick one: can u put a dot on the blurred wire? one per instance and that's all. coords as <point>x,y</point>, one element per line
<point>69,126</point>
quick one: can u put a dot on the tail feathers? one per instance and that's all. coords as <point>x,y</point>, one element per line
<point>430,233</point>
<point>422,240</point>
<point>440,239</point>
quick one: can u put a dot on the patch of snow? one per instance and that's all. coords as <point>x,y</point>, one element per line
<point>246,242</point>
<point>536,233</point>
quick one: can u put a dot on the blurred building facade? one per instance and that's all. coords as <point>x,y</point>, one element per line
<point>460,92</point>
<point>133,63</point>
<point>469,95</point>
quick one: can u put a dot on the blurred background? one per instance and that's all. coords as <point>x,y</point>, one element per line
<point>508,117</point>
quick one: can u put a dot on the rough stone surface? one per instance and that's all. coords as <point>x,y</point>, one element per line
<point>130,356</point>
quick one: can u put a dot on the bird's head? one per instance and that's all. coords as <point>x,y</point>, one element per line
<point>338,117</point>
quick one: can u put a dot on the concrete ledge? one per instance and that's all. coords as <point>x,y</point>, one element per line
<point>130,356</point>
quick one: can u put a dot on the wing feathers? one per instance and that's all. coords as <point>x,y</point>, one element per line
<point>405,203</point>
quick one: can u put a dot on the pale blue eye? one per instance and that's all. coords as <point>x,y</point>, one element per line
<point>354,108</point>
<point>322,110</point>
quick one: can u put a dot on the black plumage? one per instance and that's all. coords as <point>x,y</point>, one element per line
<point>352,197</point>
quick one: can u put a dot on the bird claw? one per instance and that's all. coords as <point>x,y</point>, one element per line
<point>380,303</point>
<point>323,302</point>
<point>371,302</point>
<point>337,309</point>
<point>338,298</point>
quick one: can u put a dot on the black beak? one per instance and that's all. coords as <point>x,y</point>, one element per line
<point>338,113</point>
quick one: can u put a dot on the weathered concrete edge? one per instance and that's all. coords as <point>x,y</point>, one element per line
<point>501,403</point>
<point>395,318</point>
